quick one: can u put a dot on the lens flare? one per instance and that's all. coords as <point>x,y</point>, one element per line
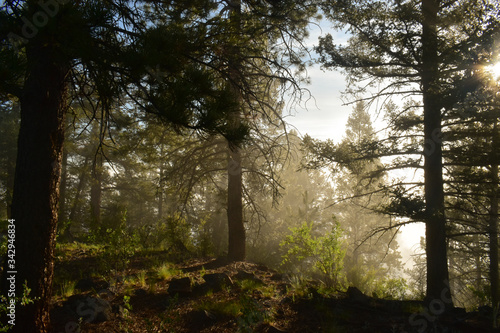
<point>495,70</point>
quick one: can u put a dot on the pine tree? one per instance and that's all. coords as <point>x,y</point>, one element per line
<point>417,48</point>
<point>372,254</point>
<point>98,45</point>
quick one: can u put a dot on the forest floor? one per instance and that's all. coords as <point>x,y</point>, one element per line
<point>149,294</point>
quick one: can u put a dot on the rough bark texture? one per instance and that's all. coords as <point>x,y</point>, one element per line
<point>436,245</point>
<point>37,182</point>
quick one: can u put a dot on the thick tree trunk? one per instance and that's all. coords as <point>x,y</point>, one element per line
<point>37,182</point>
<point>236,228</point>
<point>436,245</point>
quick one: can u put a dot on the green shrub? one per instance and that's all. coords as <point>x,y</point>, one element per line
<point>24,300</point>
<point>247,311</point>
<point>173,233</point>
<point>391,288</point>
<point>120,244</point>
<point>321,255</point>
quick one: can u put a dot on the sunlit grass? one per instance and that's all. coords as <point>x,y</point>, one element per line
<point>226,308</point>
<point>78,246</point>
<point>298,286</point>
<point>65,251</point>
<point>141,279</point>
<point>137,280</point>
<point>247,312</point>
<point>67,288</point>
<point>250,285</point>
<point>167,271</point>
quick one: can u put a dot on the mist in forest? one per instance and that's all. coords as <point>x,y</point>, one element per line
<point>148,167</point>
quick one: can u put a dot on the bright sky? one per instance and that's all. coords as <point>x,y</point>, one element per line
<point>325,117</point>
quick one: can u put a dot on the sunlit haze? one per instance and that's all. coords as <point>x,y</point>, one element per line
<point>495,70</point>
<point>324,116</point>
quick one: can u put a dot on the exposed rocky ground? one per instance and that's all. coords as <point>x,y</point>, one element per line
<point>217,296</point>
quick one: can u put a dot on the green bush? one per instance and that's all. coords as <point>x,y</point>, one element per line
<point>391,288</point>
<point>121,243</point>
<point>173,233</point>
<point>24,300</point>
<point>321,255</point>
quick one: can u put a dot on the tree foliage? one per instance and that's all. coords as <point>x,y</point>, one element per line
<point>304,252</point>
<point>421,50</point>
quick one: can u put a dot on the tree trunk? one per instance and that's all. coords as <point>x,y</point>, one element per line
<point>37,182</point>
<point>477,261</point>
<point>493,231</point>
<point>11,170</point>
<point>79,189</point>
<point>160,194</point>
<point>62,196</point>
<point>493,234</point>
<point>236,229</point>
<point>161,181</point>
<point>96,193</point>
<point>436,246</point>
<point>9,188</point>
<point>96,175</point>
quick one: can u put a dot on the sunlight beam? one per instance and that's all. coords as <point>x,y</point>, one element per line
<point>495,70</point>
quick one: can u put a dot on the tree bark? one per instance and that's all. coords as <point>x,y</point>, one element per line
<point>477,261</point>
<point>160,194</point>
<point>37,182</point>
<point>62,219</point>
<point>236,227</point>
<point>79,189</point>
<point>96,193</point>
<point>436,245</point>
<point>11,170</point>
<point>161,180</point>
<point>493,235</point>
<point>96,172</point>
<point>493,232</point>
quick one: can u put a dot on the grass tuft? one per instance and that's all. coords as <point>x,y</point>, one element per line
<point>67,288</point>
<point>167,271</point>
